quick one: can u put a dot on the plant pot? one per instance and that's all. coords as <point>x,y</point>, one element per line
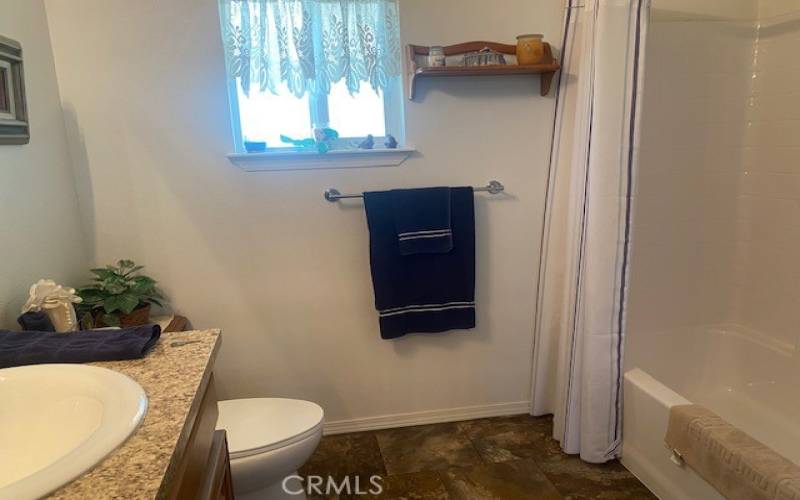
<point>139,316</point>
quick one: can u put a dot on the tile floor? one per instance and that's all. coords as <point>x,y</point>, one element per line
<point>506,458</point>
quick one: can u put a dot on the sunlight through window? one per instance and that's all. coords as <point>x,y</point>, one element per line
<point>356,115</point>
<point>265,117</point>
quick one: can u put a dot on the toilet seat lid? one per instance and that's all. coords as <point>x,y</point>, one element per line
<point>259,425</point>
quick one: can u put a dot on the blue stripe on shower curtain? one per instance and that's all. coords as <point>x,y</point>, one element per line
<point>580,317</point>
<point>642,11</point>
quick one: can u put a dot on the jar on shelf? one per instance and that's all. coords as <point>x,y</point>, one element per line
<point>436,56</point>
<point>530,49</point>
<point>484,57</point>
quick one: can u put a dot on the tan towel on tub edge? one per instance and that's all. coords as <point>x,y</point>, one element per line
<point>738,466</point>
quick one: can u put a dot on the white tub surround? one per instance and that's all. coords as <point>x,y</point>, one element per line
<point>751,383</point>
<point>647,405</point>
<point>579,325</point>
<point>713,315</point>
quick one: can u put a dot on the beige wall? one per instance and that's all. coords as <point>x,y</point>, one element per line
<point>38,206</point>
<point>284,273</point>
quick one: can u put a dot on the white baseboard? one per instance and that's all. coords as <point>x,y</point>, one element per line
<point>426,417</point>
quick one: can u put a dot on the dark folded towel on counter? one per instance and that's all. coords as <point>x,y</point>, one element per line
<point>425,292</point>
<point>32,348</point>
<point>422,220</point>
<point>36,321</point>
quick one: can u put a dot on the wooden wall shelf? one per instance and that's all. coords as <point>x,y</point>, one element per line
<point>547,69</point>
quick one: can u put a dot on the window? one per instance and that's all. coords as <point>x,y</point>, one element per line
<point>264,116</point>
<point>298,65</point>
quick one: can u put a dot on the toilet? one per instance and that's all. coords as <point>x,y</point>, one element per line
<point>268,440</point>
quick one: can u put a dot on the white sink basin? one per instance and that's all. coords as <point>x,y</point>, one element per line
<point>58,421</point>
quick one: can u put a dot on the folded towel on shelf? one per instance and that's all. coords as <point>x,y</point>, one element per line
<point>425,292</point>
<point>32,348</point>
<point>738,466</point>
<point>422,220</point>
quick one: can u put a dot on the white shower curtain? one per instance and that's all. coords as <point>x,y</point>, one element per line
<point>582,279</point>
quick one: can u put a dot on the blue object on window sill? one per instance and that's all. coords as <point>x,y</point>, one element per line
<point>255,146</point>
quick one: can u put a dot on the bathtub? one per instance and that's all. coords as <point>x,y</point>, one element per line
<point>749,379</point>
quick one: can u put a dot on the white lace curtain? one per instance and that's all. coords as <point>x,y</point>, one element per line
<point>311,44</point>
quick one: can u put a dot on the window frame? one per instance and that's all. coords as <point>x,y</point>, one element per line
<point>393,110</point>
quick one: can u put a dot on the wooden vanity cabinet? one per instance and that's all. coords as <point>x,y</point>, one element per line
<point>204,471</point>
<point>219,484</point>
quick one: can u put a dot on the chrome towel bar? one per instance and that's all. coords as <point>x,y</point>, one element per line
<point>494,187</point>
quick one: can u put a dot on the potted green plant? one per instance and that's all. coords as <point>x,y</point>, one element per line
<point>118,296</point>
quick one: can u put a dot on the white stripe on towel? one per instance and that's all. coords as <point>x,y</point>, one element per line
<point>457,303</point>
<point>418,307</point>
<point>421,236</point>
<point>430,309</point>
<point>413,233</point>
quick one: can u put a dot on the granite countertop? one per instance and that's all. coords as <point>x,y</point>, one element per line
<point>173,376</point>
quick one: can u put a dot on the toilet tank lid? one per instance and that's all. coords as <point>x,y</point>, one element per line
<point>263,424</point>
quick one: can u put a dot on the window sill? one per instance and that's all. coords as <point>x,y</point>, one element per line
<point>307,160</point>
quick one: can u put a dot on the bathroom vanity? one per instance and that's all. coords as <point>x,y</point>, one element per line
<point>176,452</point>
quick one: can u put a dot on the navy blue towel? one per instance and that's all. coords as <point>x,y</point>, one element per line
<point>422,220</point>
<point>33,348</point>
<point>422,293</point>
<point>36,321</point>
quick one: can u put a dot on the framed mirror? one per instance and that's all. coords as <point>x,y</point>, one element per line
<point>14,127</point>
